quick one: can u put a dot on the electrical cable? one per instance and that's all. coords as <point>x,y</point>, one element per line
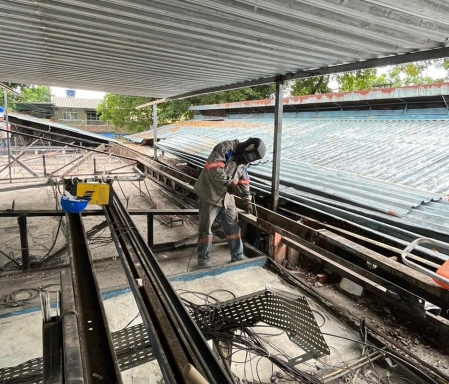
<point>127,325</point>
<point>394,355</point>
<point>321,315</point>
<point>215,325</point>
<point>12,300</point>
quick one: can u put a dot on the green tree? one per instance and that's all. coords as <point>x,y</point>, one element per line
<point>357,80</point>
<point>35,93</point>
<point>412,73</point>
<point>310,86</point>
<point>120,110</point>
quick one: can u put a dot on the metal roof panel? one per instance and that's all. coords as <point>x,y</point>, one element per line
<point>76,103</point>
<point>161,49</point>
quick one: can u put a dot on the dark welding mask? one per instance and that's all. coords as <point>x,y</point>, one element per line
<point>250,150</point>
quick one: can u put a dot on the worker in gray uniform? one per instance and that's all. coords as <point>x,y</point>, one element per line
<point>225,174</point>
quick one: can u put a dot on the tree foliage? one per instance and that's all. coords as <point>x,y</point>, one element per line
<point>392,76</point>
<point>310,86</point>
<point>357,80</point>
<point>120,110</point>
<point>35,93</point>
<point>28,94</point>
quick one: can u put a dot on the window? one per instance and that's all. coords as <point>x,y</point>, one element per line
<point>91,115</point>
<point>70,114</point>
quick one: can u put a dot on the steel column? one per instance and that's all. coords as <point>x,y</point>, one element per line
<point>22,219</point>
<point>44,164</point>
<point>278,114</point>
<point>155,131</point>
<point>8,137</point>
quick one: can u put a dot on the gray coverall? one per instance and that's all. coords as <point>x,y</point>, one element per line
<point>214,200</point>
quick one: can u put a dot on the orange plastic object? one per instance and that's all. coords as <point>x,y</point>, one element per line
<point>443,271</point>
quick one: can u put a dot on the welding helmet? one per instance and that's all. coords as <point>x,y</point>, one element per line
<point>250,150</point>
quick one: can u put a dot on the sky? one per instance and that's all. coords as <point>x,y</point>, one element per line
<point>81,94</point>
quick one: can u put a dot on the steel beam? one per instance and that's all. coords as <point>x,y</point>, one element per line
<point>177,337</point>
<point>71,347</point>
<point>82,160</point>
<point>100,359</point>
<point>52,212</point>
<point>278,114</point>
<point>430,54</point>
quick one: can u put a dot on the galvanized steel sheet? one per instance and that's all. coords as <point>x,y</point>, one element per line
<point>164,48</point>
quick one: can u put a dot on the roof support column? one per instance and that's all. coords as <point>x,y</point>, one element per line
<point>155,131</point>
<point>278,114</point>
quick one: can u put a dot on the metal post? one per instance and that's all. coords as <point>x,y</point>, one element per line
<point>150,230</point>
<point>8,137</point>
<point>155,131</point>
<point>278,112</point>
<point>22,219</point>
<point>95,166</point>
<point>45,165</point>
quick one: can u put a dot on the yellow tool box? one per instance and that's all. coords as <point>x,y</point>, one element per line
<point>100,193</point>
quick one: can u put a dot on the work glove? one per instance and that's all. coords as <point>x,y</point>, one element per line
<point>248,207</point>
<point>233,189</point>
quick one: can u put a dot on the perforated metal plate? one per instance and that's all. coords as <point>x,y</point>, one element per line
<point>280,309</point>
<point>30,371</point>
<point>132,346</point>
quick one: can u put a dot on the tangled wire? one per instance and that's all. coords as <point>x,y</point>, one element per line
<point>216,326</point>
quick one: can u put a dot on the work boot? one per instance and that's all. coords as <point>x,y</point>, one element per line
<point>237,258</point>
<point>202,262</point>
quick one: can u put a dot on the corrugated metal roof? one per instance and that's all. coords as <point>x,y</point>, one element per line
<point>351,193</point>
<point>384,197</point>
<point>338,97</point>
<point>73,102</point>
<point>164,48</point>
<point>68,129</point>
<point>413,153</point>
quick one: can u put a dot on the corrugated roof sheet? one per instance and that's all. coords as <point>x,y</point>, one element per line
<point>164,48</point>
<point>338,97</point>
<point>63,127</point>
<point>73,102</point>
<point>412,153</point>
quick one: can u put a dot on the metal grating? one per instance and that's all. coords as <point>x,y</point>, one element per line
<point>30,371</point>
<point>131,344</point>
<point>285,311</point>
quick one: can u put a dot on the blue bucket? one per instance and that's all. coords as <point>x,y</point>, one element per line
<point>73,206</point>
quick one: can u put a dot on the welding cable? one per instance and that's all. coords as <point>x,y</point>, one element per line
<point>394,355</point>
<point>212,321</point>
<point>11,300</point>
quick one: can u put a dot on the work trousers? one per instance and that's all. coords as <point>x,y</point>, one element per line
<point>4,143</point>
<point>229,219</point>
